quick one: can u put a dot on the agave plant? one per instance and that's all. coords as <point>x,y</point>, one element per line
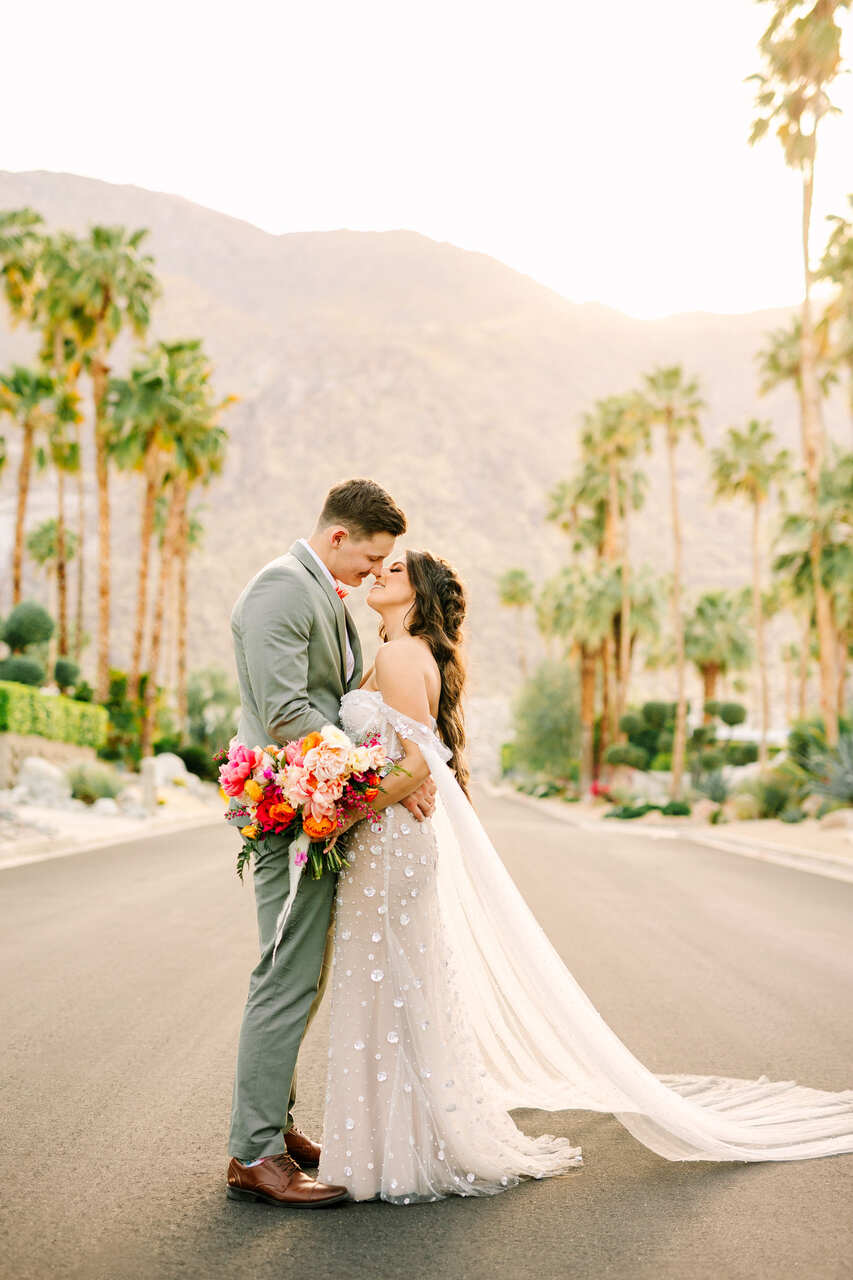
<point>830,770</point>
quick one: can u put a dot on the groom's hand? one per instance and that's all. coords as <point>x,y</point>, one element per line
<point>421,803</point>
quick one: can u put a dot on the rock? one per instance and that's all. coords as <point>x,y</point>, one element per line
<point>169,768</point>
<point>742,808</point>
<point>839,819</point>
<point>638,784</point>
<point>106,805</point>
<point>40,782</point>
<point>811,805</point>
<point>702,810</point>
<point>129,797</point>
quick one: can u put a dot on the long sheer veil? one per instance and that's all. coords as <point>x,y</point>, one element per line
<point>545,1044</point>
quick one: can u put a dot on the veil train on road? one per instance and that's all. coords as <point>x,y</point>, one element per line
<point>547,1046</point>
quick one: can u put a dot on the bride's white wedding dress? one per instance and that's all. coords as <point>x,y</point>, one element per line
<point>450,1007</point>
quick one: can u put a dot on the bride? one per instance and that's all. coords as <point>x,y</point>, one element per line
<point>450,1007</point>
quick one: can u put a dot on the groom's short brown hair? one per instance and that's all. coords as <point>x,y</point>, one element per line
<point>364,508</point>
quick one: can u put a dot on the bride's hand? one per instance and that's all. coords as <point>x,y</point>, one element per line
<point>421,803</point>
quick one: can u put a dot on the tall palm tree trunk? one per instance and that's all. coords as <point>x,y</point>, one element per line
<point>710,676</point>
<point>587,663</point>
<point>183,556</point>
<point>680,736</point>
<point>146,530</point>
<point>99,382</point>
<point>805,647</point>
<point>625,620</point>
<point>758,623</point>
<point>167,556</point>
<point>813,449</point>
<point>61,565</point>
<point>24,470</point>
<point>81,552</point>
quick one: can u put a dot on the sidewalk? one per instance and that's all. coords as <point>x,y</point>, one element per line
<point>806,846</point>
<point>36,833</point>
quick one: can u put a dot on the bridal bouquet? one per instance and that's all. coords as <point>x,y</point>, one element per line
<point>311,786</point>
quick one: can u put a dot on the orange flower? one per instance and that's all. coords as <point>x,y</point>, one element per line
<point>371,793</point>
<point>310,741</point>
<point>281,812</point>
<point>319,828</point>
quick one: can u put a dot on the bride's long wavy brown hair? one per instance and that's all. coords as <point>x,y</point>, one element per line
<point>437,614</point>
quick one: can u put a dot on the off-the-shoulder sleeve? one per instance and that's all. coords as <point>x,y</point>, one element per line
<point>422,736</point>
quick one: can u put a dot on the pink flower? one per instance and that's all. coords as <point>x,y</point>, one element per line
<point>322,803</point>
<point>293,754</point>
<point>300,858</point>
<point>237,768</point>
<point>298,786</point>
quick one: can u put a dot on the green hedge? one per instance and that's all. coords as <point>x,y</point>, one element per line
<point>24,709</point>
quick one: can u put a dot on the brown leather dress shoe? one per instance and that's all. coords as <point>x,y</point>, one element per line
<point>279,1180</point>
<point>301,1147</point>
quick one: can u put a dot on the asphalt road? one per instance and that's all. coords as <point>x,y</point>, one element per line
<point>124,974</point>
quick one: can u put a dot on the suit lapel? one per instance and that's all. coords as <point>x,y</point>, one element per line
<point>355,645</point>
<point>305,557</point>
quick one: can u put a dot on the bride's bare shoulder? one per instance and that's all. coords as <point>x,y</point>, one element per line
<point>407,651</point>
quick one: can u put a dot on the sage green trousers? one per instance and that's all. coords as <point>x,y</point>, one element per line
<point>283,998</point>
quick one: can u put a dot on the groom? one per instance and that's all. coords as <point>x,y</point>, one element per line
<point>297,653</point>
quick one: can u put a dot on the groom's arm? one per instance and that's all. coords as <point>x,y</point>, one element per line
<point>276,625</point>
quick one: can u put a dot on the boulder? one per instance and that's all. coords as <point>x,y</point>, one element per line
<point>702,809</point>
<point>839,819</point>
<point>107,806</point>
<point>40,782</point>
<point>169,769</point>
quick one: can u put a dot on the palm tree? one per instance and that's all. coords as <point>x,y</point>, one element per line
<point>672,402</point>
<point>716,639</point>
<point>515,589</point>
<point>781,359</point>
<point>837,267</point>
<point>27,396</point>
<point>583,604</point>
<point>802,55</point>
<point>745,467</point>
<point>20,253</point>
<point>43,547</point>
<point>111,287</point>
<point>613,434</point>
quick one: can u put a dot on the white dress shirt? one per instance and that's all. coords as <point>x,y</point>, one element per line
<point>331,577</point>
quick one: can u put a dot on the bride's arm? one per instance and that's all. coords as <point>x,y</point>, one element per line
<point>399,673</point>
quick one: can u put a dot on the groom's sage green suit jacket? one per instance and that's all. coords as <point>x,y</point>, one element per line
<point>289,628</point>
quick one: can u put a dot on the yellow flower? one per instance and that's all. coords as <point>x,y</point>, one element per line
<point>253,790</point>
<point>249,832</point>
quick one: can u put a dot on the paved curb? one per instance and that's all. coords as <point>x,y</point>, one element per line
<point>45,850</point>
<point>834,866</point>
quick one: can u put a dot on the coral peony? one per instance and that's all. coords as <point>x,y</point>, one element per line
<point>237,768</point>
<point>318,828</point>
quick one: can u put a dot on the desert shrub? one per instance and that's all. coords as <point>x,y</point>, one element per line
<point>628,754</point>
<point>780,789</point>
<point>547,721</point>
<point>662,762</point>
<point>745,807</point>
<point>627,811</point>
<point>828,771</point>
<point>65,673</point>
<point>91,782</point>
<point>792,815</point>
<point>22,670</point>
<point>713,785</point>
<point>28,623</point>
<point>676,809</point>
<point>168,742</point>
<point>84,692</point>
<point>199,762</point>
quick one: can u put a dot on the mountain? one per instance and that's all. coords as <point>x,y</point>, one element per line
<point>451,379</point>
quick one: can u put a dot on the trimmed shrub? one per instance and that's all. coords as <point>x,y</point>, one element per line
<point>656,714</point>
<point>199,762</point>
<point>662,762</point>
<point>65,673</point>
<point>626,753</point>
<point>22,670</point>
<point>740,753</point>
<point>631,724</point>
<point>711,761</point>
<point>91,782</point>
<point>27,710</point>
<point>28,623</point>
<point>712,708</point>
<point>732,713</point>
<point>84,692</point>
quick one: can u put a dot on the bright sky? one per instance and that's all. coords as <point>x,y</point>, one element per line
<point>598,147</point>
